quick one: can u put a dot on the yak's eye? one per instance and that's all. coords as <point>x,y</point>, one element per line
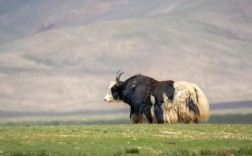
<point>113,89</point>
<point>115,94</point>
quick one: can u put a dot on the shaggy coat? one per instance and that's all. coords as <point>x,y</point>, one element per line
<point>189,104</point>
<point>155,101</point>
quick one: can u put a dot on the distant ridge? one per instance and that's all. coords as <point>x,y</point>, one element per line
<point>231,105</point>
<point>215,106</point>
<point>55,114</point>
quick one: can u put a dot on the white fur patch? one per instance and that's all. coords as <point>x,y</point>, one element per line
<point>152,98</point>
<point>177,95</point>
<point>108,97</point>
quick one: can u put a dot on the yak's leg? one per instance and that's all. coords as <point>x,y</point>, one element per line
<point>187,122</point>
<point>133,117</point>
<point>159,112</point>
<point>196,121</point>
<point>147,113</point>
<point>137,118</point>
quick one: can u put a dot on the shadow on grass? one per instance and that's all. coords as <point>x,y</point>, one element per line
<point>207,152</point>
<point>180,152</point>
<point>222,119</point>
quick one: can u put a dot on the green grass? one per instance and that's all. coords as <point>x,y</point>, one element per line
<point>127,139</point>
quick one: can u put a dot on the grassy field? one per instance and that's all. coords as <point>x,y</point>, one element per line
<point>126,139</point>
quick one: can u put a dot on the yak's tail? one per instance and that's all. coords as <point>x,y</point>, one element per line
<point>203,104</point>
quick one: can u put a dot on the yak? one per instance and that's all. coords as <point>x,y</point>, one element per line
<point>156,101</point>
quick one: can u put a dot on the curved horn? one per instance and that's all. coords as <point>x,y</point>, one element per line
<point>118,75</point>
<point>118,72</point>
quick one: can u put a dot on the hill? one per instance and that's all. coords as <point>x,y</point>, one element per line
<point>20,19</point>
<point>67,65</point>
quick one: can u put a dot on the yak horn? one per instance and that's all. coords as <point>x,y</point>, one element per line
<point>118,75</point>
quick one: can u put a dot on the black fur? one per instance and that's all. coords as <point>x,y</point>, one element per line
<point>136,92</point>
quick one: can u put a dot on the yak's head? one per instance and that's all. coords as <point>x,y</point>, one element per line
<point>115,90</point>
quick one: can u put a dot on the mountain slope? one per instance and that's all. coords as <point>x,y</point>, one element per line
<point>68,69</point>
<point>19,19</point>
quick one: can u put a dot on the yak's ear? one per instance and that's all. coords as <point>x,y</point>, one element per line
<point>120,84</point>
